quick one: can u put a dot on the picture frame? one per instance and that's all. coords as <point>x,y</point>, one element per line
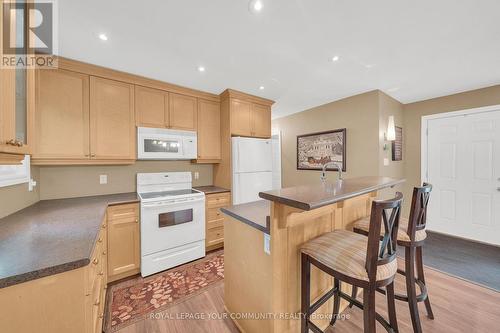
<point>315,149</point>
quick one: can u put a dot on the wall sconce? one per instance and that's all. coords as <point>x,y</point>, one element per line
<point>391,132</point>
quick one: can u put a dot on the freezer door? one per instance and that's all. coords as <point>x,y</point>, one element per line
<point>251,155</point>
<point>246,186</point>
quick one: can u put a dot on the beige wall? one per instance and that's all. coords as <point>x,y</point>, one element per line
<point>76,181</point>
<point>16,197</point>
<point>388,106</point>
<point>412,123</point>
<point>357,114</point>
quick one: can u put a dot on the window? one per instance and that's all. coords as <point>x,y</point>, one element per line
<point>15,174</point>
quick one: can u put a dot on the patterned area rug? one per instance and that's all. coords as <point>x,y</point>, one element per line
<point>133,300</point>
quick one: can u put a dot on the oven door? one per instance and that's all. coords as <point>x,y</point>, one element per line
<point>169,224</point>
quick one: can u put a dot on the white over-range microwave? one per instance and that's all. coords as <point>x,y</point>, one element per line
<point>166,144</point>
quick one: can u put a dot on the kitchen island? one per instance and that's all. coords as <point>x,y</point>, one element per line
<point>262,249</point>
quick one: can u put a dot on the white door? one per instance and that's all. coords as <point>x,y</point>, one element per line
<point>252,155</point>
<point>463,165</point>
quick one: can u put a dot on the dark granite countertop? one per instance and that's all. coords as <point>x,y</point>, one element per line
<point>315,196</point>
<point>211,189</point>
<point>256,214</point>
<point>52,236</point>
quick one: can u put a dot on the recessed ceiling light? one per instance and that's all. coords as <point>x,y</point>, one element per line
<point>255,6</point>
<point>201,69</point>
<point>335,58</point>
<point>261,87</point>
<point>103,37</point>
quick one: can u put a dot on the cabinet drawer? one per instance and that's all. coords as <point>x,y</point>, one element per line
<point>214,214</point>
<point>215,236</point>
<point>215,224</point>
<point>128,211</point>
<point>218,200</point>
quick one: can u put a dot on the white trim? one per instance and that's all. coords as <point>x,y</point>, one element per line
<point>425,126</point>
<point>25,178</point>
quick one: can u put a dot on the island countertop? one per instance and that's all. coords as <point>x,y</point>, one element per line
<point>316,196</point>
<point>52,236</point>
<point>256,214</point>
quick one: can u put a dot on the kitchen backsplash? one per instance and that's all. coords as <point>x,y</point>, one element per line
<point>76,181</point>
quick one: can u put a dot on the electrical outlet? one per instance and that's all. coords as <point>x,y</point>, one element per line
<point>103,179</point>
<point>386,161</point>
<point>196,175</point>
<point>267,243</point>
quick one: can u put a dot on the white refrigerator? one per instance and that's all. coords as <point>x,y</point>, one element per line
<point>252,168</point>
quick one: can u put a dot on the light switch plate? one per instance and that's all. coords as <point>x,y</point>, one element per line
<point>267,243</point>
<point>197,175</point>
<point>103,179</point>
<point>386,161</point>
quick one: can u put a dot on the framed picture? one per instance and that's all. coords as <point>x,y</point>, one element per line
<point>397,145</point>
<point>316,149</point>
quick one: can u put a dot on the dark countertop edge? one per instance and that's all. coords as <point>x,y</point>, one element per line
<point>44,272</point>
<point>211,189</point>
<point>266,229</point>
<point>69,266</point>
<point>311,206</point>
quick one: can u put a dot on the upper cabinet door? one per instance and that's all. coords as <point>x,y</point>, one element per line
<point>183,112</point>
<point>261,121</point>
<point>17,94</point>
<point>151,107</point>
<point>112,120</point>
<point>62,115</point>
<point>240,117</point>
<point>209,134</point>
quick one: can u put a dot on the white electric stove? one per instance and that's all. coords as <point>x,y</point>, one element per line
<point>172,220</point>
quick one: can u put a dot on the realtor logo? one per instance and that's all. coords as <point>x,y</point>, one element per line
<point>29,34</point>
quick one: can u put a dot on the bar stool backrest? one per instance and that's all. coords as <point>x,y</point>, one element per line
<point>418,211</point>
<point>382,252</point>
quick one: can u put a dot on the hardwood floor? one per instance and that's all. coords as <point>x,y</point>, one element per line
<point>459,306</point>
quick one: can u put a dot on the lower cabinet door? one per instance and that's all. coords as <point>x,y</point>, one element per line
<point>123,246</point>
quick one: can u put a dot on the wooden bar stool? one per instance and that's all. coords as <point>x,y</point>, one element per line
<point>412,236</point>
<point>357,260</point>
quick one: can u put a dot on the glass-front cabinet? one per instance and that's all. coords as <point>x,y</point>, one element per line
<point>16,84</point>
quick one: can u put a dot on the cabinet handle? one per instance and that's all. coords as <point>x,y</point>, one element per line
<point>97,303</point>
<point>136,220</point>
<point>101,273</point>
<point>92,155</point>
<point>104,253</point>
<point>101,315</point>
<point>14,142</point>
<point>104,226</point>
<point>100,240</point>
<point>95,261</point>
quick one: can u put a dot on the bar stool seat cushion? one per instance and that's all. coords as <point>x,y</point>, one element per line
<point>364,224</point>
<point>345,252</point>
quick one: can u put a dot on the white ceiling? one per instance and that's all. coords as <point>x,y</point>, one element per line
<point>412,50</point>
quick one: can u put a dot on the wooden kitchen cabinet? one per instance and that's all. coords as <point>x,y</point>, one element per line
<point>182,112</point>
<point>82,119</point>
<point>215,219</point>
<point>62,115</point>
<point>209,132</point>
<point>17,94</point>
<point>124,254</point>
<point>241,117</point>
<point>261,121</point>
<point>151,107</point>
<point>112,120</point>
<point>249,117</point>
